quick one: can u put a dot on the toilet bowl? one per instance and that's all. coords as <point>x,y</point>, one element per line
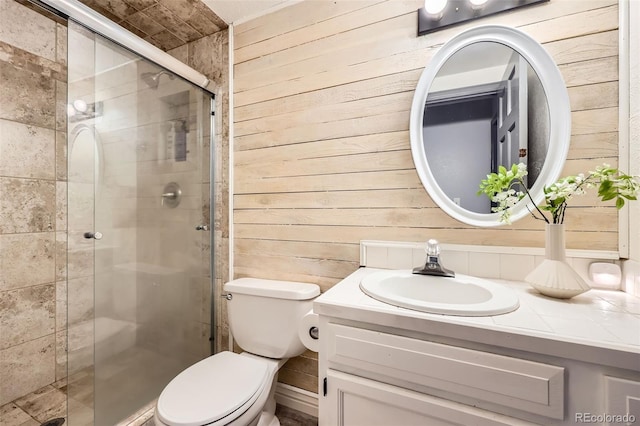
<point>239,389</point>
<point>225,389</point>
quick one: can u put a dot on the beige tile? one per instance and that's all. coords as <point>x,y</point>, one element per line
<point>205,55</point>
<point>202,24</point>
<point>27,205</point>
<point>27,314</point>
<point>80,347</point>
<point>206,251</point>
<point>80,206</point>
<point>27,29</point>
<point>144,419</point>
<point>12,415</point>
<point>143,22</point>
<point>61,206</point>
<point>61,305</point>
<point>61,44</point>
<point>80,256</point>
<point>180,53</point>
<point>165,40</point>
<point>205,315</point>
<point>26,260</point>
<point>80,300</point>
<point>61,358</point>
<point>26,151</point>
<point>61,256</point>
<point>27,97</point>
<point>61,105</point>
<point>222,339</point>
<point>206,205</point>
<point>220,307</point>
<point>163,16</point>
<point>26,367</point>
<point>116,7</point>
<point>132,28</point>
<point>61,156</point>
<point>80,414</point>
<point>60,383</point>
<point>210,15</point>
<point>44,404</point>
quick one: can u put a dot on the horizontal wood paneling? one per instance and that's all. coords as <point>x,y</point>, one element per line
<point>322,160</point>
<point>323,92</point>
<point>480,236</point>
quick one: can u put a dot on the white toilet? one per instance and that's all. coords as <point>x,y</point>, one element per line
<point>238,389</point>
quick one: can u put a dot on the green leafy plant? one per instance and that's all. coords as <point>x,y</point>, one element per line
<point>507,187</point>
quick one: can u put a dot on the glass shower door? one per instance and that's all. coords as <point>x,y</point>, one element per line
<point>138,239</point>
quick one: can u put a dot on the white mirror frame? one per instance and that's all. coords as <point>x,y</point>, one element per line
<point>559,118</point>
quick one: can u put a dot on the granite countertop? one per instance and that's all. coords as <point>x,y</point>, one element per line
<point>600,326</point>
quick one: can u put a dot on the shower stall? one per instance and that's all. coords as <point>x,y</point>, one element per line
<point>139,245</point>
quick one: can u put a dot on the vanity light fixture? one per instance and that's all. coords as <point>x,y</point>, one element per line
<point>435,8</point>
<point>438,14</point>
<point>606,275</point>
<point>477,4</point>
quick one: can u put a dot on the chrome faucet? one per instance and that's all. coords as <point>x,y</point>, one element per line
<point>432,265</point>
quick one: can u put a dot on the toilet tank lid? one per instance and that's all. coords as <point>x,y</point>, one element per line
<point>273,288</point>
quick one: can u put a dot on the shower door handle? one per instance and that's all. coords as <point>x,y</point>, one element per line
<point>202,228</point>
<point>95,235</point>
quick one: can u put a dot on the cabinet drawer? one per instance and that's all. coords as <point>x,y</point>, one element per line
<point>355,401</point>
<point>511,382</point>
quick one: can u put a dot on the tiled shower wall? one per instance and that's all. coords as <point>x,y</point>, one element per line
<point>33,207</point>
<point>33,174</point>
<point>210,56</point>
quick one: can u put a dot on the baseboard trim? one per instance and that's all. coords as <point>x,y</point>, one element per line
<point>298,399</point>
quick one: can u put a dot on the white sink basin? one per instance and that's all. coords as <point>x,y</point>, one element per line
<point>463,295</point>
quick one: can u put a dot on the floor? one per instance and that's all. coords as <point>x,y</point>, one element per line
<point>50,402</point>
<point>132,371</point>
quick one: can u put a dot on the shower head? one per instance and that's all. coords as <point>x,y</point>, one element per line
<point>152,79</point>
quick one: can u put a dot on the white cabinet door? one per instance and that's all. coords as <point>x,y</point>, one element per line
<point>355,401</point>
<point>622,399</point>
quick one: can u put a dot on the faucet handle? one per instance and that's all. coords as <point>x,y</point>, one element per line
<point>433,248</point>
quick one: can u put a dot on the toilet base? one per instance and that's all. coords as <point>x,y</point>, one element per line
<point>268,416</point>
<point>267,419</point>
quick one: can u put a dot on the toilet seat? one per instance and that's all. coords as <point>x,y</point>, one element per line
<point>217,389</point>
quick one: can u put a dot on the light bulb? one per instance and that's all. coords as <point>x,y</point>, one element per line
<point>435,7</point>
<point>71,111</point>
<point>80,105</point>
<point>477,4</point>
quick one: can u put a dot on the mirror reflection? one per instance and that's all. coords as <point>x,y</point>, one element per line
<point>486,108</point>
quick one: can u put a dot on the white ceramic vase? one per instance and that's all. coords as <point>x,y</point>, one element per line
<point>554,277</point>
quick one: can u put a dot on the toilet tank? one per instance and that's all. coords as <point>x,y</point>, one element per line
<point>264,315</point>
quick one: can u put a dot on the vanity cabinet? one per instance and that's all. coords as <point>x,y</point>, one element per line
<point>356,401</point>
<point>383,365</point>
<point>379,378</point>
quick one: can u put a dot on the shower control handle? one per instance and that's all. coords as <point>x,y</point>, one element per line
<point>95,235</point>
<point>202,228</point>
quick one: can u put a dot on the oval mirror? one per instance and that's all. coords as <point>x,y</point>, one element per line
<point>491,96</point>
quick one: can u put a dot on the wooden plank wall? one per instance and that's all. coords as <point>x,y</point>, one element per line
<point>322,93</point>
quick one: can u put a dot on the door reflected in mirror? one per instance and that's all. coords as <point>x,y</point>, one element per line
<point>486,107</point>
